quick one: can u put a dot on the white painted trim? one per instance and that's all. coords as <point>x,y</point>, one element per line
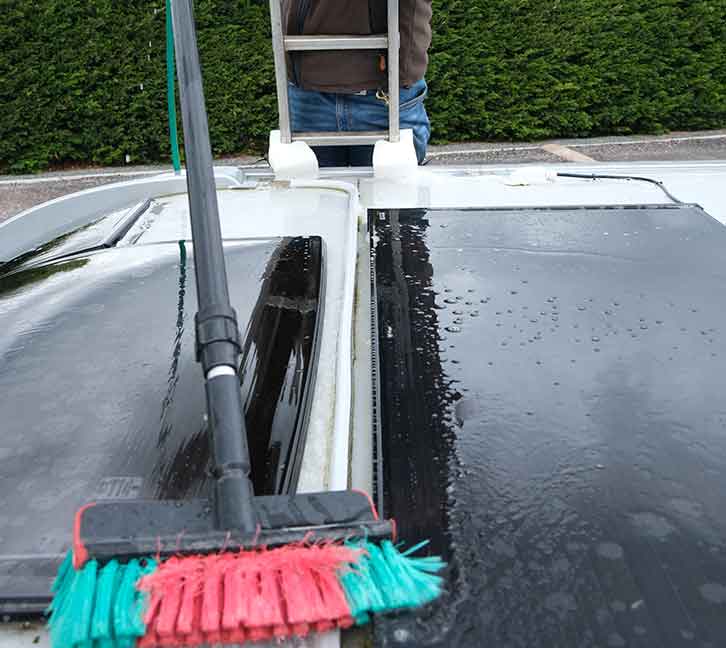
<point>339,464</point>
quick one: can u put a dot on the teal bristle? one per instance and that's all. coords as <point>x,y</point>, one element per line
<point>98,608</point>
<point>106,589</point>
<point>385,579</point>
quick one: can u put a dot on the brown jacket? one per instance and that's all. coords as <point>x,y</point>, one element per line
<point>363,69</point>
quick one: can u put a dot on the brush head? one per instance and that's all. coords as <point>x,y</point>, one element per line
<point>127,529</point>
<point>237,595</point>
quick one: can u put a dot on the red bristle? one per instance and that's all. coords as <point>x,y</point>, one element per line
<point>212,638</point>
<point>168,642</point>
<point>232,612</point>
<point>243,596</point>
<point>300,629</point>
<point>80,553</point>
<point>370,502</point>
<point>150,639</point>
<point>211,598</point>
<point>153,609</point>
<point>346,622</point>
<point>247,582</point>
<point>185,620</point>
<point>259,633</point>
<point>324,626</point>
<point>233,637</point>
<point>169,611</point>
<point>335,603</point>
<point>296,596</point>
<point>281,631</point>
<point>196,636</point>
<point>265,607</point>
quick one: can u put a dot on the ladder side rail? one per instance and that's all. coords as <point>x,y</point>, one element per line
<point>278,50</point>
<point>394,96</point>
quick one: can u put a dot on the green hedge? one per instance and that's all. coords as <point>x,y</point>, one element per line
<point>83,81</point>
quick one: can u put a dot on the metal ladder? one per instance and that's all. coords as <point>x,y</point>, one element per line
<point>282,44</point>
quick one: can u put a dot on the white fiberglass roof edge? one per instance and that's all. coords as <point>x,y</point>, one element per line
<point>339,464</point>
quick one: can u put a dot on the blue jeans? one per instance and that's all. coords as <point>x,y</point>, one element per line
<point>325,111</point>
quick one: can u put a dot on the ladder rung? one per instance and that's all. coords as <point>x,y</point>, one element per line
<point>301,43</point>
<point>362,138</point>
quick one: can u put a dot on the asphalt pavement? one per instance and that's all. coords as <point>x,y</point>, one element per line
<point>21,192</point>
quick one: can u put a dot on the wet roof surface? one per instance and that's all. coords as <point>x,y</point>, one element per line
<point>553,418</point>
<point>101,396</point>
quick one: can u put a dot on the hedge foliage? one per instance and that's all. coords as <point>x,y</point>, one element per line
<point>84,80</point>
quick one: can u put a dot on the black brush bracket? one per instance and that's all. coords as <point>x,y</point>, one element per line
<point>217,331</point>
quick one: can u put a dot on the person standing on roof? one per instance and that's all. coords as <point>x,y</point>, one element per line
<point>346,90</point>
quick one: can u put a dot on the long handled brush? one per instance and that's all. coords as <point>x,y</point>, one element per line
<point>238,568</point>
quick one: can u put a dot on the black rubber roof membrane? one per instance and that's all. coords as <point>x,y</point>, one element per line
<point>553,416</point>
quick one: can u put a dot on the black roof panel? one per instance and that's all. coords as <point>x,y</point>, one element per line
<point>553,416</point>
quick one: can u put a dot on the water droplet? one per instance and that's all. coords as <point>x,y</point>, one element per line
<point>713,592</point>
<point>401,635</point>
<point>595,338</point>
<point>453,329</point>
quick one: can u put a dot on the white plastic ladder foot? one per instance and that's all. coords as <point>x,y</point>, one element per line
<point>294,160</point>
<point>395,159</point>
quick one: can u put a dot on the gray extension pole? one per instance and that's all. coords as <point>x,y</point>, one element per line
<point>218,344</point>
